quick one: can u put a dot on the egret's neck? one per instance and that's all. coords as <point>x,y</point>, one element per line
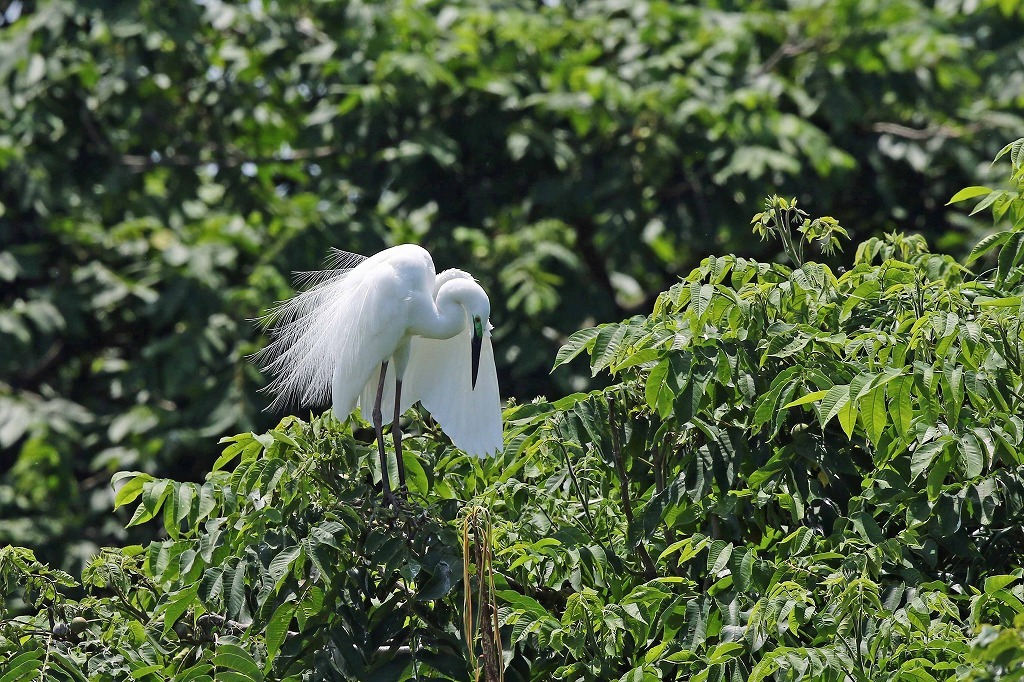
<point>454,299</point>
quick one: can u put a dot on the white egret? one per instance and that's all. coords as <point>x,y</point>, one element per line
<point>386,332</point>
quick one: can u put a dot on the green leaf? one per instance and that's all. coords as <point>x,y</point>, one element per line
<point>994,583</point>
<point>281,564</point>
<point>718,556</point>
<point>778,463</point>
<point>606,346</point>
<point>971,457</point>
<point>146,670</point>
<point>1005,302</point>
<point>766,667</point>
<point>766,407</point>
<point>900,405</point>
<point>725,651</point>
<point>1009,256</point>
<point>701,294</point>
<point>154,493</point>
<point>953,389</point>
<point>848,417</point>
<point>745,573</point>
<point>66,664</point>
<point>282,437</point>
<point>867,527</point>
<point>969,193</point>
<point>236,594</point>
<point>834,401</point>
<point>873,414</point>
<point>439,584</point>
<point>197,673</point>
<point>23,667</point>
<point>869,289</point>
<point>1015,149</point>
<point>277,630</point>
<point>937,476</point>
<point>310,606</point>
<point>234,450</point>
<point>186,493</point>
<point>657,390</point>
<point>987,244</point>
<point>638,358</point>
<point>207,501</point>
<point>921,459</point>
<point>687,547</point>
<point>574,345</point>
<point>989,201</point>
<point>130,491</point>
<point>808,398</point>
<point>415,476</point>
<point>233,658</point>
<point>178,603</point>
<point>521,602</point>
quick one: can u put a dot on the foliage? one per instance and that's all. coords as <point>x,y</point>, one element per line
<point>166,165</point>
<point>784,220</point>
<point>288,550</point>
<point>797,474</point>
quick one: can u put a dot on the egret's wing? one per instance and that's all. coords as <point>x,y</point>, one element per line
<point>439,376</point>
<point>329,337</point>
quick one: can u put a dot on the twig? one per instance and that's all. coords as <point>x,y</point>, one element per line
<point>786,49</point>
<point>586,230</point>
<point>487,623</point>
<point>44,362</point>
<point>576,483</point>
<point>592,529</point>
<point>228,158</point>
<point>933,131</point>
<point>627,506</point>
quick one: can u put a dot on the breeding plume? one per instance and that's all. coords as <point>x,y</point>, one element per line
<point>386,332</point>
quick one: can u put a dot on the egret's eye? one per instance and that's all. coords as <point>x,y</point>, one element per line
<point>478,326</point>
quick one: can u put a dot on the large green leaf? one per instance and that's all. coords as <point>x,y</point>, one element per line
<point>235,664</point>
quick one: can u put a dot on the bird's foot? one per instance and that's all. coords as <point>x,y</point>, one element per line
<point>392,500</point>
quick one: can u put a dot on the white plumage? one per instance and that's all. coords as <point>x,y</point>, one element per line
<point>334,337</point>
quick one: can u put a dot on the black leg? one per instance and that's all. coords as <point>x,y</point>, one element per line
<point>396,433</point>
<point>378,425</point>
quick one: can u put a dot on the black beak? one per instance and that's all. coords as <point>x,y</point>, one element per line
<point>478,339</point>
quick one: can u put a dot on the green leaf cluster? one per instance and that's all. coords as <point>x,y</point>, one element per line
<point>280,564</point>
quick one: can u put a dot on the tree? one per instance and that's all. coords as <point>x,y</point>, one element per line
<point>795,474</point>
<point>166,166</point>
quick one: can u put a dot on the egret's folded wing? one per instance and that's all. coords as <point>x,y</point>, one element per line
<point>440,377</point>
<point>326,339</point>
<point>376,312</point>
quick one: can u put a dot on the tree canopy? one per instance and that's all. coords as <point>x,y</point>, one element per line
<point>796,474</point>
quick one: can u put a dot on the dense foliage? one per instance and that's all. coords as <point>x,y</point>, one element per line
<point>796,474</point>
<point>164,166</point>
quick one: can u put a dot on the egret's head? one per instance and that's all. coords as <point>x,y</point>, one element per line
<point>473,298</point>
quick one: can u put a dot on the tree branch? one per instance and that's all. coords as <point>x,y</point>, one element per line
<point>928,133</point>
<point>225,157</point>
